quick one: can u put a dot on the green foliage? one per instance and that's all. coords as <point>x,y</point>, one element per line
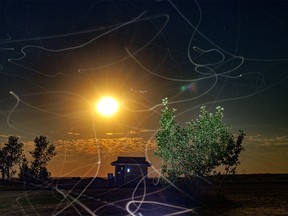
<point>198,148</point>
<point>10,155</point>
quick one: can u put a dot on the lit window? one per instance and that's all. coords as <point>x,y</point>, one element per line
<point>128,169</point>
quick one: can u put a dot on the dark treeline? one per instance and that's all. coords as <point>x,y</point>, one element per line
<point>11,156</point>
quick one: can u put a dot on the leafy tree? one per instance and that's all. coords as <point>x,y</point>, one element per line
<point>10,155</point>
<point>2,164</point>
<point>199,148</point>
<point>42,154</point>
<point>25,174</point>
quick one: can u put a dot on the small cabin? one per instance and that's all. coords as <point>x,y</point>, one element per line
<point>129,170</point>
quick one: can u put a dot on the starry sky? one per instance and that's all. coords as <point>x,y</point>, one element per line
<point>59,57</point>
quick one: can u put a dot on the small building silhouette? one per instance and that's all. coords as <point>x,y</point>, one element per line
<point>129,170</point>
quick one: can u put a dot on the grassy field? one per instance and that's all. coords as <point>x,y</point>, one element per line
<point>240,195</point>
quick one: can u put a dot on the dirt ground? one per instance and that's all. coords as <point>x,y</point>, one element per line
<point>256,198</point>
<point>243,195</point>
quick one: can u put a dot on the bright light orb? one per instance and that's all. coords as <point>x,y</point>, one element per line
<point>107,106</point>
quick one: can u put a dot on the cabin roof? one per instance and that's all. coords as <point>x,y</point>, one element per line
<point>131,161</point>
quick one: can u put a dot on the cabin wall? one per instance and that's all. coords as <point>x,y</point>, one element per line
<point>129,173</point>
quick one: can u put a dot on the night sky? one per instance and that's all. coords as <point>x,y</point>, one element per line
<point>57,58</point>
